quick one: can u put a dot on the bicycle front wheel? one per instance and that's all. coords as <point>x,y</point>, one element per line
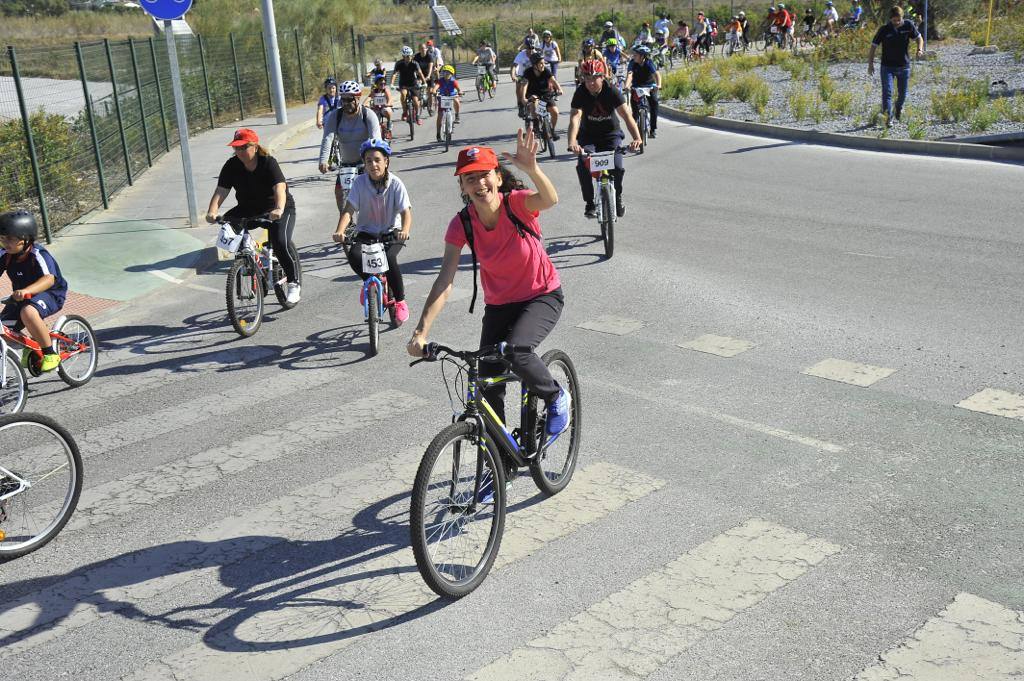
<point>40,482</point>
<point>13,384</point>
<point>78,368</point>
<point>608,219</point>
<point>373,317</point>
<point>644,129</point>
<point>553,468</point>
<point>458,510</point>
<point>549,135</point>
<point>244,293</point>
<point>480,88</point>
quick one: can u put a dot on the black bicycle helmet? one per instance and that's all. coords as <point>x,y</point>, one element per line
<point>536,58</point>
<point>19,223</point>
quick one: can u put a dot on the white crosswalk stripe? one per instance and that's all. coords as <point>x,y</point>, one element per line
<point>123,496</point>
<point>595,492</point>
<point>635,631</point>
<point>972,638</point>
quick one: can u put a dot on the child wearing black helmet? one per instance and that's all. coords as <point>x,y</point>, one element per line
<point>39,288</point>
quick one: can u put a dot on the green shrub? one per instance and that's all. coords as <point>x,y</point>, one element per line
<point>801,103</point>
<point>704,110</point>
<point>1010,108</point>
<point>709,88</point>
<point>775,57</point>
<point>1007,30</point>
<point>826,87</point>
<point>984,117</point>
<point>745,62</point>
<point>917,124</point>
<point>744,87</point>
<point>960,101</point>
<point>846,46</point>
<point>841,102</point>
<point>678,84</point>
<point>759,98</point>
<point>796,68</point>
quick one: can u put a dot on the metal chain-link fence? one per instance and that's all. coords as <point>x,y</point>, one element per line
<point>80,122</point>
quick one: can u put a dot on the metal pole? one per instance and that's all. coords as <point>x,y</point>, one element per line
<point>272,56</point>
<point>206,79</point>
<point>362,58</point>
<point>355,57</point>
<point>142,108</point>
<point>494,43</point>
<point>179,108</point>
<point>266,69</point>
<point>30,143</point>
<point>92,124</point>
<point>238,80</point>
<point>435,27</point>
<point>925,34</point>
<point>565,40</point>
<point>988,30</point>
<point>117,111</point>
<point>298,53</point>
<point>159,95</point>
<point>334,64</point>
<point>693,17</point>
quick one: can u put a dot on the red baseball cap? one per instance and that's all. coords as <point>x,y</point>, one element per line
<point>430,43</point>
<point>476,159</point>
<point>244,136</point>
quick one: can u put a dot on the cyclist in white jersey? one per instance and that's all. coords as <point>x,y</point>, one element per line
<point>551,51</point>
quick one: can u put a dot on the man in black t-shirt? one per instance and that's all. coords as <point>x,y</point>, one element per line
<point>540,83</point>
<point>593,126</point>
<point>894,37</point>
<point>425,59</point>
<point>407,72</point>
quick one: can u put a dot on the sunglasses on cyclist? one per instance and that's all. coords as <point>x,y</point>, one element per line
<point>347,100</point>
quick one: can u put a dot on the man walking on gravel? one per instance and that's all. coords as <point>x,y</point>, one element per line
<point>894,37</point>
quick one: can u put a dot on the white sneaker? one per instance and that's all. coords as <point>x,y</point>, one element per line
<point>292,291</point>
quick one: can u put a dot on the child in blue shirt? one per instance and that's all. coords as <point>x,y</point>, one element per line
<point>447,86</point>
<point>39,289</point>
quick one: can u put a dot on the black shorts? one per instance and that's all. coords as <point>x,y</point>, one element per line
<point>45,303</point>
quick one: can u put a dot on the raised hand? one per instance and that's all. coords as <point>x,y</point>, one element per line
<point>525,158</point>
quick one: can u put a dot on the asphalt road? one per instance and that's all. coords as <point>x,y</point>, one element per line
<point>732,517</point>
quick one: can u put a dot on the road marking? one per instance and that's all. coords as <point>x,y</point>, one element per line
<point>861,375</point>
<point>995,402</point>
<point>129,579</point>
<point>119,381</point>
<point>148,426</point>
<point>381,590</point>
<point>633,632</point>
<point>723,346</point>
<point>617,326</point>
<point>160,274</point>
<point>144,490</point>
<point>972,638</point>
<point>872,255</point>
<point>811,442</point>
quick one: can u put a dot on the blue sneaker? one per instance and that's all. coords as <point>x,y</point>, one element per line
<point>558,414</point>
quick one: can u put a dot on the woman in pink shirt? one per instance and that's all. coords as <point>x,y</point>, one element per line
<point>522,290</point>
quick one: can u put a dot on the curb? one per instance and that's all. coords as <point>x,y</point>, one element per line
<point>979,152</point>
<point>283,138</point>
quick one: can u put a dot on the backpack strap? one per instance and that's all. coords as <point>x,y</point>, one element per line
<point>521,227</point>
<point>467,227</point>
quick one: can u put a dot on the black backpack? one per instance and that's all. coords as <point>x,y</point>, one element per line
<point>467,227</point>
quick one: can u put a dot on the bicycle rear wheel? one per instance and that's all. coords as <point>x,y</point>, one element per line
<point>553,469</point>
<point>458,510</point>
<point>244,293</point>
<point>480,88</point>
<point>373,317</point>
<point>13,384</point>
<point>40,482</point>
<point>79,368</point>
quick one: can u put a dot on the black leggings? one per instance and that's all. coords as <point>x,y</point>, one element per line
<point>525,323</point>
<point>586,182</point>
<point>280,239</point>
<point>394,274</point>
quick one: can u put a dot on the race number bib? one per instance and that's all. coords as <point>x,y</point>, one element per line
<point>542,107</point>
<point>446,102</point>
<point>481,70</point>
<point>227,240</point>
<point>601,161</point>
<point>380,100</point>
<point>621,70</point>
<point>775,29</point>
<point>374,259</point>
<point>347,175</point>
<point>642,91</point>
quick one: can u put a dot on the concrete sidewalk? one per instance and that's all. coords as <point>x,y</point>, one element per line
<point>143,241</point>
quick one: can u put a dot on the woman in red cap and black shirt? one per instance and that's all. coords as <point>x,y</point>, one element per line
<point>522,290</point>
<point>260,189</point>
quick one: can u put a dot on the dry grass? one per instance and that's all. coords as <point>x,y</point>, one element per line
<point>83,26</point>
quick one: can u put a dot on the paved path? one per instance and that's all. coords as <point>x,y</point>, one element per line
<point>787,471</point>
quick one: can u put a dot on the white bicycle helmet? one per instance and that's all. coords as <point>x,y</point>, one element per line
<point>350,87</point>
<point>406,51</point>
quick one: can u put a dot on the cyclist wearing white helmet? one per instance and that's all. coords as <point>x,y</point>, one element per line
<point>830,17</point>
<point>378,203</point>
<point>611,32</point>
<point>352,124</point>
<point>408,73</point>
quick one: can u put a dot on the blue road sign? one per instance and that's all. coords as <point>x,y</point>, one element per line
<point>166,9</point>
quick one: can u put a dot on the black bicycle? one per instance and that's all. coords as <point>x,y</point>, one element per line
<point>458,499</point>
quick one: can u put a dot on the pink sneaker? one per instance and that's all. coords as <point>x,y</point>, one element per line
<point>401,312</point>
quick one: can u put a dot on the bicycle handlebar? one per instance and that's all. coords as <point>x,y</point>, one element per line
<point>10,299</point>
<point>245,223</point>
<point>432,352</point>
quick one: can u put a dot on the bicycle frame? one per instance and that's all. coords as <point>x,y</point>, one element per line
<point>16,338</point>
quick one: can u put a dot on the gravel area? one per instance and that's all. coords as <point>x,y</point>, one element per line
<point>935,75</point>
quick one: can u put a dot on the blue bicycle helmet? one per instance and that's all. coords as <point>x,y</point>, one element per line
<point>642,49</point>
<point>375,144</point>
<point>589,42</point>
